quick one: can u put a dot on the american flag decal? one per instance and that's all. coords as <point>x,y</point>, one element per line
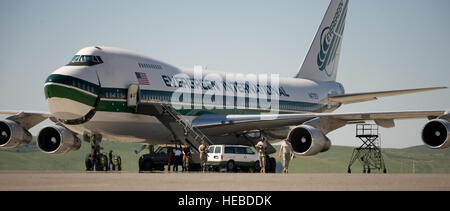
<point>142,78</point>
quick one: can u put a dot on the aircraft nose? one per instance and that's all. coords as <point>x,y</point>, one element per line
<point>70,97</point>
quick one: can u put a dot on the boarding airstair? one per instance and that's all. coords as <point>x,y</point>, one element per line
<point>181,129</point>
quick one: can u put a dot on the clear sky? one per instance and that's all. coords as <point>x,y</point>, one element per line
<point>388,44</point>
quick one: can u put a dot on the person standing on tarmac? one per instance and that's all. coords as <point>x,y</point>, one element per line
<point>94,157</point>
<point>261,147</point>
<point>110,161</point>
<point>203,150</point>
<point>170,159</point>
<point>177,160</point>
<point>287,153</point>
<point>186,157</point>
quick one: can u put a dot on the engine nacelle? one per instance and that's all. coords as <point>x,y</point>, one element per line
<point>13,135</point>
<point>307,140</point>
<point>435,134</point>
<point>57,140</point>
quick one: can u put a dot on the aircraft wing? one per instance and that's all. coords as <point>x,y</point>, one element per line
<point>222,124</point>
<point>368,96</point>
<point>27,119</point>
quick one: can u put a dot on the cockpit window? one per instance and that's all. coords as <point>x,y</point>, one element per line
<point>85,60</point>
<point>75,58</point>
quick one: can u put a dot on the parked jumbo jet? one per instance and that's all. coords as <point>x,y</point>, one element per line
<point>117,95</point>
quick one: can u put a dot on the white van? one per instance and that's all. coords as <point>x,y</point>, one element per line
<point>232,158</point>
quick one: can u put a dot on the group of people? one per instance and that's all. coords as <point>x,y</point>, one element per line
<point>286,153</point>
<point>182,156</point>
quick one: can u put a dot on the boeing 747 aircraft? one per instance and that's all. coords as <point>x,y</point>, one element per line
<point>118,95</point>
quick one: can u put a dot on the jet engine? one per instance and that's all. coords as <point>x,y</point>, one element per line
<point>435,134</point>
<point>57,140</point>
<point>307,140</point>
<point>13,135</point>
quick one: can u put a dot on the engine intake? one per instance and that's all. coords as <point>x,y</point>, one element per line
<point>13,135</point>
<point>435,134</point>
<point>307,140</point>
<point>57,140</point>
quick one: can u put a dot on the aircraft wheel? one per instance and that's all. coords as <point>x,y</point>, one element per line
<point>88,163</point>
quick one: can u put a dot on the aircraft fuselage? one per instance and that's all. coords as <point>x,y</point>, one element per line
<point>89,95</point>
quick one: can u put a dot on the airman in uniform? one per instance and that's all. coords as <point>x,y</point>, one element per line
<point>203,150</point>
<point>287,153</point>
<point>261,147</point>
<point>186,157</point>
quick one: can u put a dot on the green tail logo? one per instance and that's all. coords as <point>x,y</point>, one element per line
<point>330,38</point>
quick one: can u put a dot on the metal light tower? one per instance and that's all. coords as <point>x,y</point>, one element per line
<point>369,153</point>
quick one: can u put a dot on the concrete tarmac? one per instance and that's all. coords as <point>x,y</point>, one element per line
<point>163,181</point>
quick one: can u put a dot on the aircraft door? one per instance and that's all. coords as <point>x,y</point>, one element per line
<point>133,95</point>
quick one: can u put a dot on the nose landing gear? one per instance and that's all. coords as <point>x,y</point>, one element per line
<point>96,161</point>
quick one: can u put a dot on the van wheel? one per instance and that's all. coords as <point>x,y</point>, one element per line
<point>230,166</point>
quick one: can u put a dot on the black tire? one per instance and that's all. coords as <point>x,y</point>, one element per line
<point>119,165</point>
<point>88,163</point>
<point>102,159</point>
<point>231,167</point>
<point>98,164</point>
<point>147,165</point>
<point>106,163</point>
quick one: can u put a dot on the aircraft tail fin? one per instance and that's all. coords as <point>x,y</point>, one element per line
<point>322,60</point>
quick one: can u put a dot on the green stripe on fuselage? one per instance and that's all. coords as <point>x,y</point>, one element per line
<point>55,90</point>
